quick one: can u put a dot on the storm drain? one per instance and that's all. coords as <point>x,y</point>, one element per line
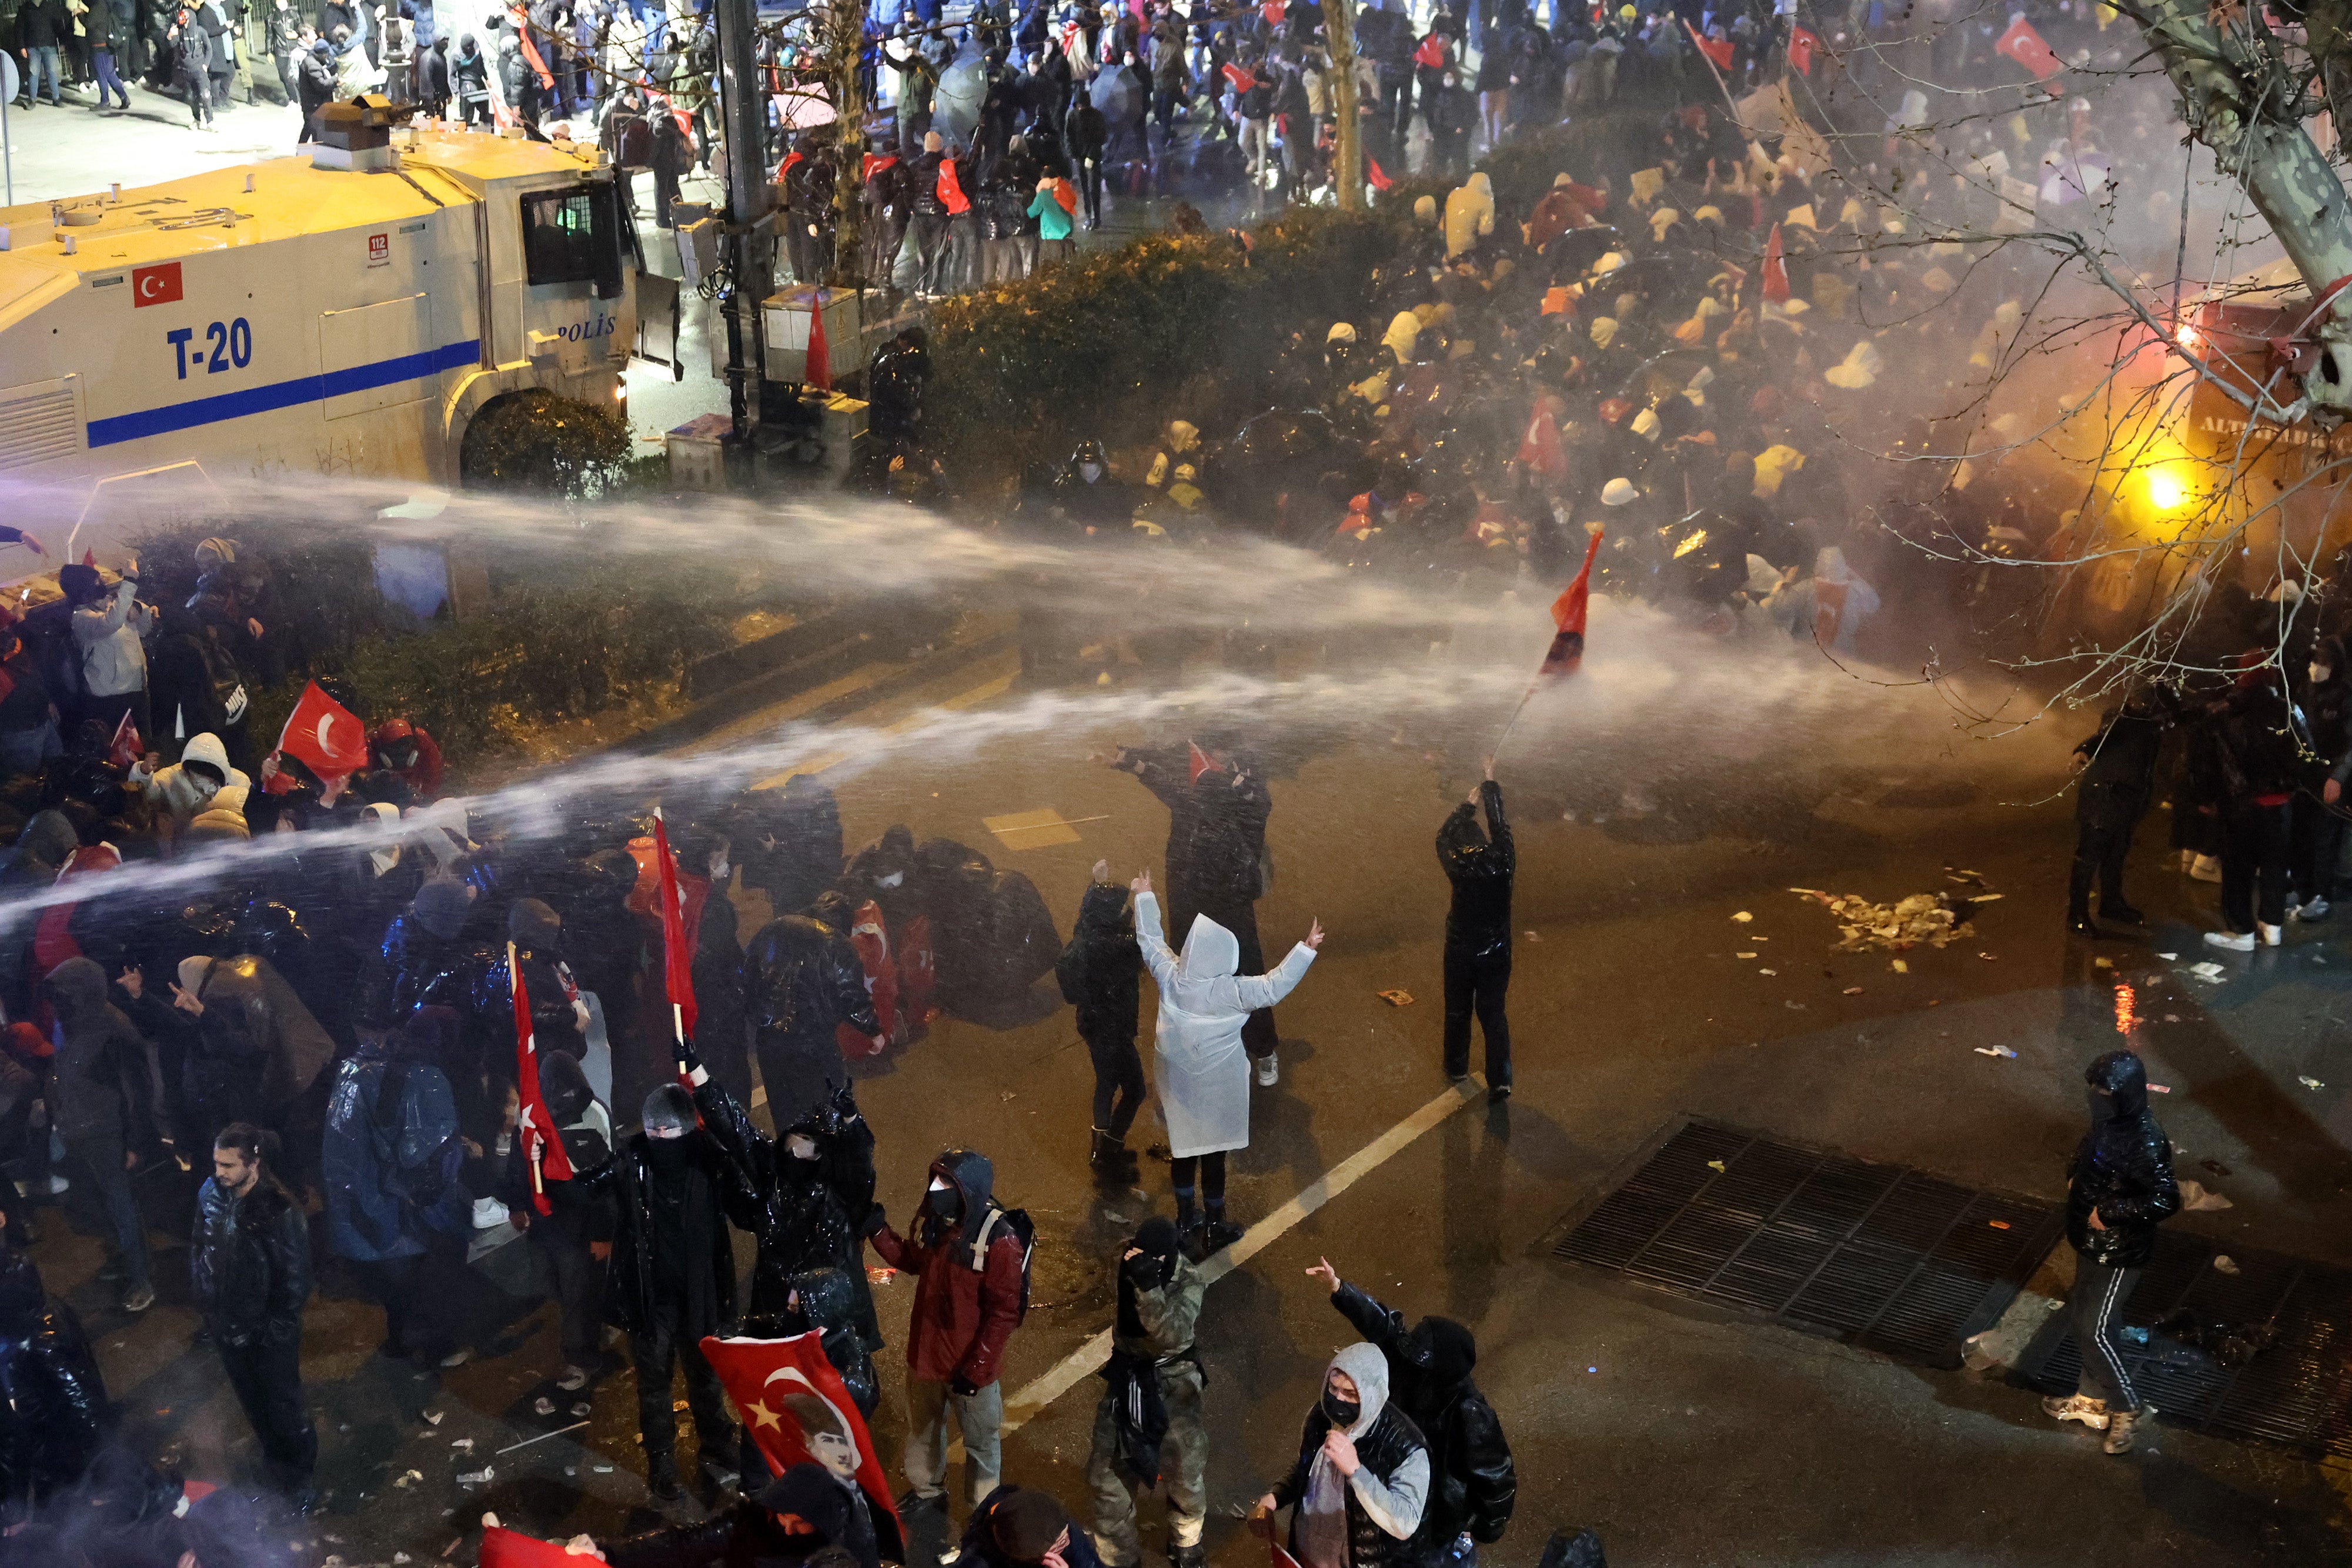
<point>2297,1394</point>
<point>1881,1256</point>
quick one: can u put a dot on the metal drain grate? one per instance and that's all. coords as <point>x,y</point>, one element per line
<point>2296,1395</point>
<point>1881,1256</point>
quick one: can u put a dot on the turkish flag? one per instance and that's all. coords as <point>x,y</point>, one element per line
<point>1801,44</point>
<point>1539,448</point>
<point>677,956</point>
<point>1568,612</point>
<point>1716,49</point>
<point>157,285</point>
<point>796,1409</point>
<point>542,1145</point>
<point>1240,78</point>
<point>871,937</point>
<point>126,748</point>
<point>1776,269</point>
<point>1196,762</point>
<point>504,1548</point>
<point>325,737</point>
<point>2026,46</point>
<point>1378,176</point>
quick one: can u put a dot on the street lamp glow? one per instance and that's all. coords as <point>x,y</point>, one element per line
<point>2165,490</point>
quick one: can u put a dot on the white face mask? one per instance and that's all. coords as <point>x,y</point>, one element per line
<point>1090,472</point>
<point>939,1184</point>
<point>801,1146</point>
<point>2319,673</point>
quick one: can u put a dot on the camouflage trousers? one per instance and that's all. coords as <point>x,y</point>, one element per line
<point>1184,1473</point>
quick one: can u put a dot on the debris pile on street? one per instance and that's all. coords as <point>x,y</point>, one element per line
<point>1932,919</point>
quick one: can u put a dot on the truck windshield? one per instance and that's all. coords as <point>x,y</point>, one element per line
<point>573,235</point>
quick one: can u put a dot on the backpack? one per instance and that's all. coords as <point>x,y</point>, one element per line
<point>1015,1223</point>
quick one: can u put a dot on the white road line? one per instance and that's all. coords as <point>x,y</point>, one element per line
<point>1087,1359</point>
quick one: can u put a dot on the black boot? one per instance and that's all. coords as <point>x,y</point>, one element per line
<point>1216,1235</point>
<point>661,1477</point>
<point>1110,1160</point>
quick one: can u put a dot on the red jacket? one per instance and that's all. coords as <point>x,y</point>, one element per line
<point>963,1316</point>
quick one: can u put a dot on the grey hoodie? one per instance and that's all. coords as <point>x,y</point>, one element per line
<point>102,1061</point>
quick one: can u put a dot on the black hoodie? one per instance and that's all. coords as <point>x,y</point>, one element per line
<point>1480,866</point>
<point>1102,970</point>
<point>1473,1484</point>
<point>2123,1168</point>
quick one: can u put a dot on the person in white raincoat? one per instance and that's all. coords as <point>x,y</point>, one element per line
<point>1199,1066</point>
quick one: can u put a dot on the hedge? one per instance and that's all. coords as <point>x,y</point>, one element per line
<point>1116,343</point>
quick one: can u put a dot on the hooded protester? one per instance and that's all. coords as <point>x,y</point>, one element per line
<point>103,1100</point>
<point>803,980</point>
<point>1480,867</point>
<point>200,780</point>
<point>804,1198</point>
<point>1362,1478</point>
<point>558,1015</point>
<point>409,750</point>
<point>1217,812</point>
<point>828,1302</point>
<point>1101,975</point>
<point>57,1413</point>
<point>971,1270</point>
<point>2256,751</point>
<point>250,1266</point>
<point>390,1166</point>
<point>470,83</point>
<point>42,849</point>
<point>262,1053</point>
<point>2120,1188</point>
<point>574,1240</point>
<point>1472,1482</point>
<point>1197,1055</point>
<point>191,684</point>
<point>792,849</point>
<point>1469,214</point>
<point>1020,1527</point>
<point>314,85</point>
<point>672,1281</point>
<point>1148,1426</point>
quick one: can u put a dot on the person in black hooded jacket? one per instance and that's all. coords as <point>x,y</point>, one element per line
<point>2252,730</point>
<point>576,1236</point>
<point>1101,975</point>
<point>672,1277</point>
<point>805,1196</point>
<point>802,980</point>
<point>1478,933</point>
<point>1473,1483</point>
<point>2120,1188</point>
<point>57,1412</point>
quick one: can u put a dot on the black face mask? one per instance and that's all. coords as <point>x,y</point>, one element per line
<point>1342,1412</point>
<point>667,1156</point>
<point>2103,1105</point>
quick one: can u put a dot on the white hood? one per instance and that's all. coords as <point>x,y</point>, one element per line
<point>1210,952</point>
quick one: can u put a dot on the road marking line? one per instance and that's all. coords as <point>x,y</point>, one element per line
<point>961,700</point>
<point>1083,1362</point>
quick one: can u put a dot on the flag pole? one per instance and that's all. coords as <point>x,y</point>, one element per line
<point>1514,722</point>
<point>530,1153</point>
<point>664,890</point>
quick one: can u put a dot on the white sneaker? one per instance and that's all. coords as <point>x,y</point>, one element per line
<point>2235,941</point>
<point>1269,1070</point>
<point>2205,868</point>
<point>2271,934</point>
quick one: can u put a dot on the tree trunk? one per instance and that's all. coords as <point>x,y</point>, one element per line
<point>1348,157</point>
<point>845,41</point>
<point>2218,72</point>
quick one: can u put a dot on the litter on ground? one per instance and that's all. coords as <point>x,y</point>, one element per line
<point>1994,1051</point>
<point>2196,1197</point>
<point>2208,971</point>
<point>2224,1264</point>
<point>1852,990</point>
<point>1714,1164</point>
<point>1395,999</point>
<point>543,1406</point>
<point>1936,919</point>
<point>1743,917</point>
<point>2310,1082</point>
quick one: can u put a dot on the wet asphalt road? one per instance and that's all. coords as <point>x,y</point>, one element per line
<point>1685,1436</point>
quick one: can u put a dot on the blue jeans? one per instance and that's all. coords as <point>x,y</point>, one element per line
<point>43,57</point>
<point>100,1156</point>
<point>103,62</point>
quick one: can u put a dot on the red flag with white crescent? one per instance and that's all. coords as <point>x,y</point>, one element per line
<point>541,1144</point>
<point>1801,44</point>
<point>1539,448</point>
<point>1568,614</point>
<point>126,748</point>
<point>2030,50</point>
<point>327,737</point>
<point>797,1411</point>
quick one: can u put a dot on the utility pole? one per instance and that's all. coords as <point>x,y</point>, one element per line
<point>750,237</point>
